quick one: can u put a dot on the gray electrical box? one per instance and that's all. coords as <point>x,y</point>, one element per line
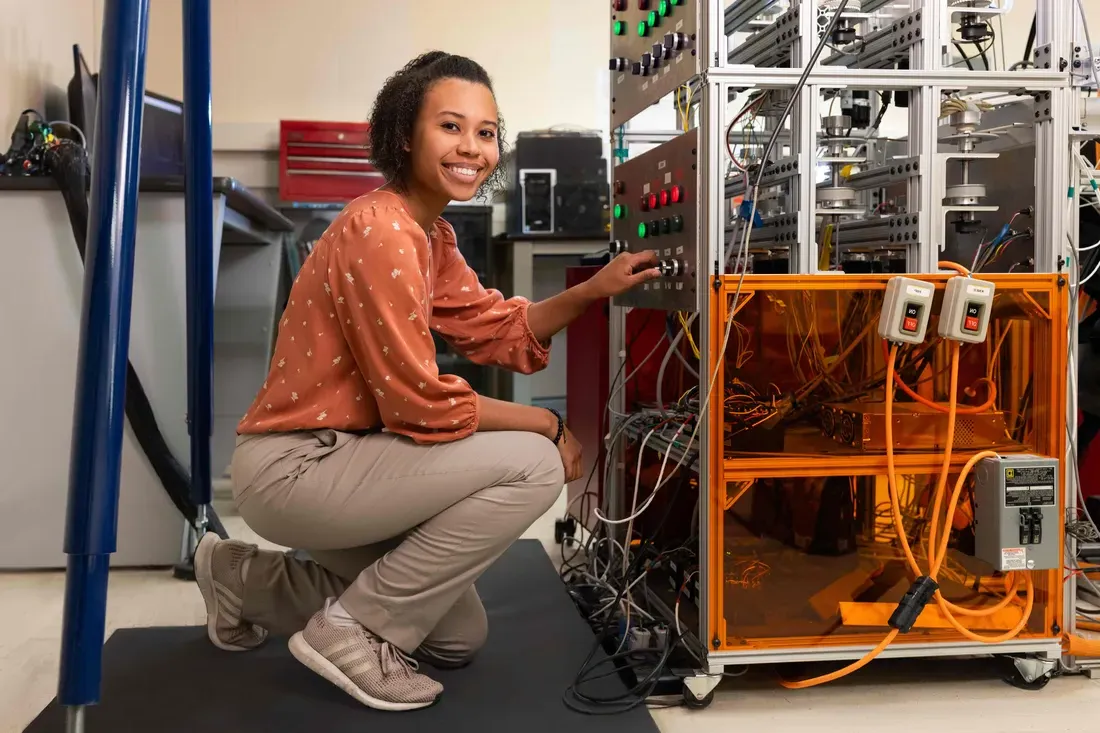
<point>1016,508</point>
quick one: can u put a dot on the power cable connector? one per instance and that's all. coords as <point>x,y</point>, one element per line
<point>912,604</point>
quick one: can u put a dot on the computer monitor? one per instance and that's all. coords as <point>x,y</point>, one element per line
<point>162,148</point>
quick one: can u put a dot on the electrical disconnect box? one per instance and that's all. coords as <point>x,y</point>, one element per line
<point>965,312</point>
<point>1016,513</point>
<point>905,310</point>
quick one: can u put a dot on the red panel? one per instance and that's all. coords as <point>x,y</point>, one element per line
<point>1089,469</point>
<point>325,162</point>
<point>587,379</point>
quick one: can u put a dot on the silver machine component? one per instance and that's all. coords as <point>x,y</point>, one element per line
<point>974,141</point>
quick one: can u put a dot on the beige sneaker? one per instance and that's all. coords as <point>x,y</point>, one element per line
<point>218,572</point>
<point>372,671</point>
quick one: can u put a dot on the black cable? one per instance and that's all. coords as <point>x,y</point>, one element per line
<point>959,48</point>
<point>620,703</point>
<point>1030,41</point>
<point>67,164</point>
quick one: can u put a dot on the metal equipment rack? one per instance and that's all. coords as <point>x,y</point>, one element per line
<point>688,48</point>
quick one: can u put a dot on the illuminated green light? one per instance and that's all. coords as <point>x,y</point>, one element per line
<point>664,8</point>
<point>620,28</point>
<point>643,29</point>
<point>677,2</point>
<point>643,230</point>
<point>620,211</point>
<point>653,19</point>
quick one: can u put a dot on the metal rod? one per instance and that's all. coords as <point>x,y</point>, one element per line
<point>74,719</point>
<point>92,513</point>
<point>199,208</point>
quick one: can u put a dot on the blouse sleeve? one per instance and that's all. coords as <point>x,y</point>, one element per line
<point>480,323</point>
<point>377,282</point>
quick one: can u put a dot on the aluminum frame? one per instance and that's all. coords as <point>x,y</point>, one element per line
<point>926,80</point>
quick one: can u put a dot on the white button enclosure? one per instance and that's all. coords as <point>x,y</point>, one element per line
<point>905,310</point>
<point>964,316</point>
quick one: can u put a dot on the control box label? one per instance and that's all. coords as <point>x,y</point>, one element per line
<point>979,290</point>
<point>1014,558</point>
<point>1030,486</point>
<point>918,291</point>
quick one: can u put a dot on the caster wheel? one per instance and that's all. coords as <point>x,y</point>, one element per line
<point>1013,677</point>
<point>690,701</point>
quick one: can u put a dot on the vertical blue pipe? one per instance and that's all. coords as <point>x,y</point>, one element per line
<point>199,193</point>
<point>95,460</point>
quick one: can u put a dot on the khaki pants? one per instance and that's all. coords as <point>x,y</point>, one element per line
<point>399,531</point>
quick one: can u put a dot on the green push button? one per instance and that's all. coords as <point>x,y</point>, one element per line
<point>620,211</point>
<point>663,9</point>
<point>643,230</point>
<point>619,28</point>
<point>643,29</point>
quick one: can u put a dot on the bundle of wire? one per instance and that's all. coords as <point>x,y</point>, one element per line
<point>634,555</point>
<point>937,544</point>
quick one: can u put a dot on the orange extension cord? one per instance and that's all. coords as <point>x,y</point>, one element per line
<point>937,550</point>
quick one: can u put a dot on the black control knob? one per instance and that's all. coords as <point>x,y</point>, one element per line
<point>675,41</point>
<point>658,51</point>
<point>619,64</point>
<point>618,246</point>
<point>636,69</point>
<point>647,60</point>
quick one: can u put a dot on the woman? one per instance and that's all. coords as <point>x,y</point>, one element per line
<point>402,484</point>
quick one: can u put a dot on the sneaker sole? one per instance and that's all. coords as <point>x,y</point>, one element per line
<point>311,658</point>
<point>204,558</point>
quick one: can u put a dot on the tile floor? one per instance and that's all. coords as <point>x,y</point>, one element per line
<point>936,695</point>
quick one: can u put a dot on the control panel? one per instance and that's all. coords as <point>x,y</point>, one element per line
<point>1016,513</point>
<point>905,310</point>
<point>655,207</point>
<point>653,51</point>
<point>964,315</point>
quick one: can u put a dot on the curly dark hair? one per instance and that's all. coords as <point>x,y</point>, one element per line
<point>398,104</point>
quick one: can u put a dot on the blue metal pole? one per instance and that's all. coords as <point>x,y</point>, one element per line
<point>92,516</point>
<point>199,194</point>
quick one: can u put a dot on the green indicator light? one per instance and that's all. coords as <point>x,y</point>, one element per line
<point>643,230</point>
<point>620,211</point>
<point>643,29</point>
<point>620,27</point>
<point>653,19</point>
<point>677,2</point>
<point>664,8</point>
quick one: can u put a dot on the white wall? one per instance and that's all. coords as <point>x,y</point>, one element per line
<point>289,59</point>
<point>36,52</point>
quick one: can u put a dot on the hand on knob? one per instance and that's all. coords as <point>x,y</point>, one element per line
<point>623,273</point>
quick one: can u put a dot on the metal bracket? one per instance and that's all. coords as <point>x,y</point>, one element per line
<point>1032,669</point>
<point>702,684</point>
<point>1042,107</point>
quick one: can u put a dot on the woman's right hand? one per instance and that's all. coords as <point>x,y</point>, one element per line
<point>570,449</point>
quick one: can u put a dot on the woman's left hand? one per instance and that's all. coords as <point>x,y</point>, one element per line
<point>623,273</point>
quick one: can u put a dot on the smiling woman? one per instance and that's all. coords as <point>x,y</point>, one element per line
<point>403,484</point>
<point>451,94</point>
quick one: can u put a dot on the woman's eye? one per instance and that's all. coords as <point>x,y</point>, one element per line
<point>488,134</point>
<point>450,126</point>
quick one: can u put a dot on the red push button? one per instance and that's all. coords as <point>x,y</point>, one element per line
<point>677,194</point>
<point>909,325</point>
<point>653,202</point>
<point>971,323</point>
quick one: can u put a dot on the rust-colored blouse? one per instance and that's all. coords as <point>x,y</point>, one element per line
<point>355,350</point>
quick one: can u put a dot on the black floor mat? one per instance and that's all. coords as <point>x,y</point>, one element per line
<point>173,679</point>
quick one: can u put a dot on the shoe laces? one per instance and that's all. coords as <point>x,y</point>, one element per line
<point>395,661</point>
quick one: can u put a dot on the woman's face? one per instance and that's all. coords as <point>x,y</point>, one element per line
<point>454,146</point>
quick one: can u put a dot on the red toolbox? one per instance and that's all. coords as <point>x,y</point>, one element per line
<point>325,162</point>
